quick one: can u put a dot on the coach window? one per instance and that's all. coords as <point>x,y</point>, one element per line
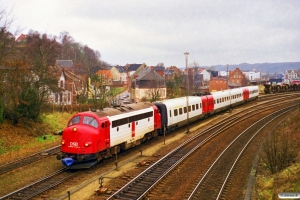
<point>117,128</point>
<point>193,107</point>
<point>200,105</point>
<point>128,125</point>
<point>185,110</point>
<point>175,112</point>
<point>197,106</point>
<point>189,108</point>
<point>214,101</point>
<point>180,111</point>
<point>170,113</point>
<point>136,123</point>
<point>148,119</point>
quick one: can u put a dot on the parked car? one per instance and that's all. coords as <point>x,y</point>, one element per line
<point>126,102</point>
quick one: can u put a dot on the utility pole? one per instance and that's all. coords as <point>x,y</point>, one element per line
<point>227,78</point>
<point>187,92</point>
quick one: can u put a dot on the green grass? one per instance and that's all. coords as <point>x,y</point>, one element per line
<point>2,148</point>
<point>57,121</point>
<point>46,138</point>
<point>116,91</point>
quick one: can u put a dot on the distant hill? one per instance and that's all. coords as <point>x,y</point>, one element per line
<point>262,67</point>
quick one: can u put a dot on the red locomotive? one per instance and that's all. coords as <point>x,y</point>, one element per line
<point>92,136</point>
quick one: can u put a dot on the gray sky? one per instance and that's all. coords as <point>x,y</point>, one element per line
<point>140,31</point>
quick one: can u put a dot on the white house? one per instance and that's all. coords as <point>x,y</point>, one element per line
<point>253,75</point>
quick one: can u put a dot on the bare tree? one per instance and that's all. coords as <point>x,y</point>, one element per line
<point>7,55</point>
<point>40,54</point>
<point>7,39</point>
<point>174,87</point>
<point>100,90</point>
<point>280,147</point>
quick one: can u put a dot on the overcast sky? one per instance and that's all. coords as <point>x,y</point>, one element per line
<point>140,31</point>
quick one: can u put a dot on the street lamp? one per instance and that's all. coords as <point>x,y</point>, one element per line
<point>187,92</point>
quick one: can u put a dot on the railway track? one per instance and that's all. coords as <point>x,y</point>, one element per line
<point>141,186</point>
<point>40,186</point>
<point>27,160</point>
<point>220,171</point>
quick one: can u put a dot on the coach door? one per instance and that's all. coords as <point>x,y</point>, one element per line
<point>245,94</point>
<point>210,103</point>
<point>104,132</point>
<point>132,129</point>
<point>204,105</point>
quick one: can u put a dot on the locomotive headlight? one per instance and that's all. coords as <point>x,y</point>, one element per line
<point>87,144</point>
<point>62,142</point>
<point>74,129</point>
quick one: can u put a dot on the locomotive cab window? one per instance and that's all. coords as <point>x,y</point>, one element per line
<point>75,120</point>
<point>91,121</point>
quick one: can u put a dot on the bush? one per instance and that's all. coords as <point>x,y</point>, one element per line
<point>281,146</point>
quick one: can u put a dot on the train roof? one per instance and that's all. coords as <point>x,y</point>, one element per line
<point>122,109</point>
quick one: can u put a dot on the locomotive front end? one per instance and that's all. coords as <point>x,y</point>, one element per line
<point>79,141</point>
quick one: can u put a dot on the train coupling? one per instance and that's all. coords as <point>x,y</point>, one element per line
<point>68,161</point>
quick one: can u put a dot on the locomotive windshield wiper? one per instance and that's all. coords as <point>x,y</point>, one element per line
<point>91,121</point>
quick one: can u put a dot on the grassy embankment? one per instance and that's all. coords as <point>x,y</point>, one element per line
<point>268,185</point>
<point>22,140</point>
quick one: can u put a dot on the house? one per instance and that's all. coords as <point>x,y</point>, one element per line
<point>115,74</point>
<point>218,84</point>
<point>22,38</point>
<point>70,86</point>
<point>120,74</point>
<point>252,75</point>
<point>213,73</point>
<point>133,68</point>
<point>206,74</point>
<point>133,71</point>
<point>68,64</point>
<point>160,70</point>
<point>237,79</point>
<point>105,76</point>
<point>290,74</point>
<point>171,72</point>
<point>149,85</point>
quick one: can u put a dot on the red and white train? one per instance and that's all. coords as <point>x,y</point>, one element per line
<point>92,136</point>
